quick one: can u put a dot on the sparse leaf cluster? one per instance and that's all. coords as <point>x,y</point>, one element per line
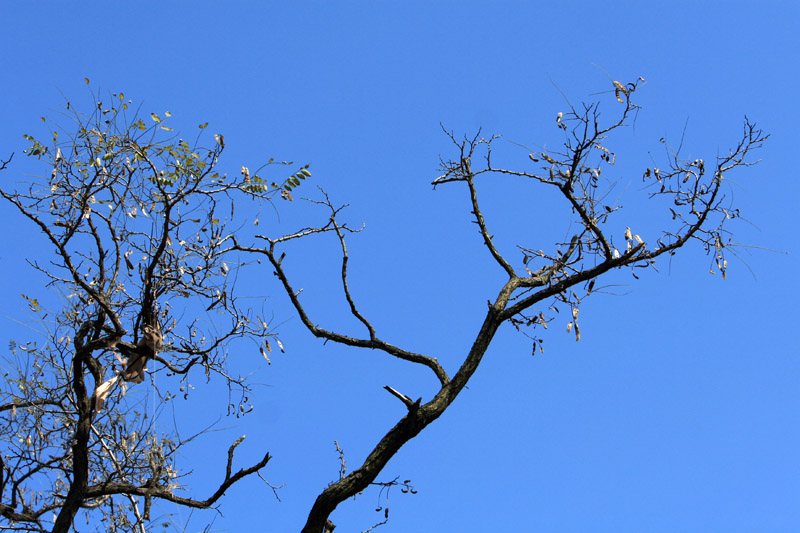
<point>140,222</point>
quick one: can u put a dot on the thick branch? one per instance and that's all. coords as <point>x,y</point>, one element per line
<point>406,429</point>
<point>80,451</point>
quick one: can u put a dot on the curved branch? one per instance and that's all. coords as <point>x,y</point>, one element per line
<point>164,493</point>
<point>373,343</point>
<point>30,403</point>
<point>345,259</point>
<point>487,239</point>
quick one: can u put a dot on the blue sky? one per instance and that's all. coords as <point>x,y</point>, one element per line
<point>679,409</point>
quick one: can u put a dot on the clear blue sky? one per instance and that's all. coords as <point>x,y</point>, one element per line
<point>679,410</point>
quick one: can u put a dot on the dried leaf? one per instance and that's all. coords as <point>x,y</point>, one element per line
<point>619,88</point>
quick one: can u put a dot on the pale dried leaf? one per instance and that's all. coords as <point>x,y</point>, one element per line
<point>264,353</point>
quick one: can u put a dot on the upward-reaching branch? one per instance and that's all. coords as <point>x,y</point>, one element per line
<point>587,256</point>
<point>373,342</point>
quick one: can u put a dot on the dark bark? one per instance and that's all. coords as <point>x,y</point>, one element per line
<point>80,452</point>
<point>406,429</point>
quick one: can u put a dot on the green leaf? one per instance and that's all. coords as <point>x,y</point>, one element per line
<point>155,117</point>
<point>166,128</point>
<point>167,114</point>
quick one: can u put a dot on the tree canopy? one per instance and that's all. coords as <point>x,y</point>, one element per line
<point>147,249</point>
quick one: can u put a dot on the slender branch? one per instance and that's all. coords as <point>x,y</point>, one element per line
<point>345,259</point>
<point>373,343</point>
<point>590,223</point>
<point>164,493</point>
<point>29,403</point>
<point>487,239</point>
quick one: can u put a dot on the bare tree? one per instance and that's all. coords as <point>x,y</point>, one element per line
<point>142,251</point>
<point>140,223</point>
<point>562,275</point>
